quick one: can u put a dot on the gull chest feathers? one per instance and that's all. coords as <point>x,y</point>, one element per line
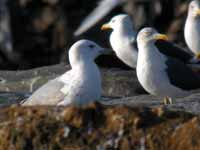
<point>86,79</point>
<point>192,34</point>
<point>192,27</point>
<point>151,74</point>
<point>124,47</point>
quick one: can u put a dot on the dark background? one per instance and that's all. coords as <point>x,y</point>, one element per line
<point>42,30</point>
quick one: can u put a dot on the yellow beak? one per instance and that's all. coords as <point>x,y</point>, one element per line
<point>198,56</point>
<point>105,26</point>
<point>161,37</point>
<point>197,12</point>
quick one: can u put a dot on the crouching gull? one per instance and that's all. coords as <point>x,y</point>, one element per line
<point>160,74</point>
<point>78,86</point>
<point>192,28</point>
<point>123,42</point>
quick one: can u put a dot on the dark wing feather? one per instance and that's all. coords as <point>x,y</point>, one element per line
<point>172,50</point>
<point>134,44</point>
<point>181,76</point>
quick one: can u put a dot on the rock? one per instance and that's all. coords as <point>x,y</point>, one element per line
<point>119,87</point>
<point>116,82</point>
<point>97,127</point>
<point>8,98</point>
<point>187,130</point>
<point>136,122</point>
<point>189,104</point>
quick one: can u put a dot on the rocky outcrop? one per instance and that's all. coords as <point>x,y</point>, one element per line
<point>115,81</point>
<point>119,87</point>
<point>97,127</point>
<point>189,104</point>
<point>126,118</point>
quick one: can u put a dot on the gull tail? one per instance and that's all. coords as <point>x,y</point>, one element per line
<point>103,8</point>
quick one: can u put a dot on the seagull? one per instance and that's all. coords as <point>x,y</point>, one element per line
<point>80,85</point>
<point>160,74</point>
<point>192,30</point>
<point>123,42</point>
<point>123,39</point>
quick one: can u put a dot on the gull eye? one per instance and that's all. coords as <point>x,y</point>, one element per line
<point>91,46</point>
<point>192,5</point>
<point>147,33</point>
<point>113,21</point>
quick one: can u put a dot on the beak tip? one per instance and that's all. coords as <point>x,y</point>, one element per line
<point>105,27</point>
<point>102,28</point>
<point>162,37</point>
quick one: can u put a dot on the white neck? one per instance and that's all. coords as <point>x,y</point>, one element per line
<point>87,71</point>
<point>149,55</point>
<point>123,31</point>
<point>121,40</point>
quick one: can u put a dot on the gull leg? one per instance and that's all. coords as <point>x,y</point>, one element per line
<point>167,100</point>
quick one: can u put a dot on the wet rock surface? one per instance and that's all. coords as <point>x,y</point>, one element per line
<point>98,127</point>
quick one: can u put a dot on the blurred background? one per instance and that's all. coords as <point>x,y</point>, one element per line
<point>36,33</point>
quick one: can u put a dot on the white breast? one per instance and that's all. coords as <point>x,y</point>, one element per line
<point>83,87</point>
<point>151,73</point>
<point>122,45</point>
<point>192,35</point>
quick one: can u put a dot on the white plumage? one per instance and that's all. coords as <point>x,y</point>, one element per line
<point>80,85</point>
<point>192,27</point>
<point>151,72</point>
<point>159,74</point>
<point>123,39</point>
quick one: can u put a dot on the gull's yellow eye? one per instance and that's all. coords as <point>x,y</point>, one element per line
<point>147,33</point>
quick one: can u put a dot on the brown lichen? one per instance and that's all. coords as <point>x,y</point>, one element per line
<point>97,127</point>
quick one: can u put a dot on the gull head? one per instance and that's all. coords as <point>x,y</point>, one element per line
<point>149,35</point>
<point>119,21</point>
<point>84,50</point>
<point>194,9</point>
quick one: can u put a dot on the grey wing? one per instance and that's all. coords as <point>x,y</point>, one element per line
<point>74,93</point>
<point>103,8</point>
<point>78,93</point>
<point>134,43</point>
<point>48,94</point>
<point>181,76</point>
